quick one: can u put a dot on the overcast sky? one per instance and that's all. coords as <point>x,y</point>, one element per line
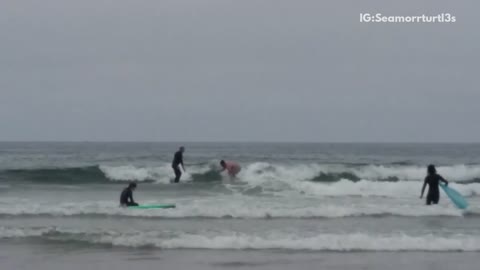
<point>244,70</point>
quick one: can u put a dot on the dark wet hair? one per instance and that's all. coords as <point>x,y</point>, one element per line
<point>132,185</point>
<point>222,162</point>
<point>431,169</point>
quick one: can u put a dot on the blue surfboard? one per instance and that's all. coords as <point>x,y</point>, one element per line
<point>455,197</point>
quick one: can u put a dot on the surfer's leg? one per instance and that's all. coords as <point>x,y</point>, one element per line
<point>432,198</point>
<point>178,174</point>
<point>429,199</point>
<point>435,198</point>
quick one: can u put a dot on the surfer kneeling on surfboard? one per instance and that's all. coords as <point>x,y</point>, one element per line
<point>231,167</point>
<point>126,198</point>
<point>432,179</point>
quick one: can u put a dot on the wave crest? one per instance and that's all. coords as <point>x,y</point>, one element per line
<point>258,173</point>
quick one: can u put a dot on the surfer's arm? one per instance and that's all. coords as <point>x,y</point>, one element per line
<point>130,197</point>
<point>423,188</point>
<point>443,180</point>
<point>181,162</point>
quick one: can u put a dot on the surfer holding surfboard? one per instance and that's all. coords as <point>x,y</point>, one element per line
<point>433,180</point>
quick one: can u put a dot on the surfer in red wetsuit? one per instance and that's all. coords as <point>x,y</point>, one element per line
<point>231,167</point>
<point>433,179</point>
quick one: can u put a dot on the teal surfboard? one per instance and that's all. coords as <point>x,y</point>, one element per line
<point>455,197</point>
<point>153,206</point>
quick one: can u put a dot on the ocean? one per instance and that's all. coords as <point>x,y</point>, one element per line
<point>293,205</point>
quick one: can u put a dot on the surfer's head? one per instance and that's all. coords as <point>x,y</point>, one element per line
<point>222,163</point>
<point>431,169</point>
<point>182,149</point>
<point>132,185</point>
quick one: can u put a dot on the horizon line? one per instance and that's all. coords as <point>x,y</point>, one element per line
<point>260,141</point>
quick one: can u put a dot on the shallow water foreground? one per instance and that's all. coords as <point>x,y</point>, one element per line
<point>16,255</point>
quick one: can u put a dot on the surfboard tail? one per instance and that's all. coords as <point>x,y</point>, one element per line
<point>455,197</point>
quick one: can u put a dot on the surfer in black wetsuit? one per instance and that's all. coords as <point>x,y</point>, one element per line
<point>177,161</point>
<point>126,198</point>
<point>433,179</point>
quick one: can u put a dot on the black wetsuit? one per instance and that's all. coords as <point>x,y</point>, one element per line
<point>177,160</point>
<point>433,195</point>
<point>126,198</point>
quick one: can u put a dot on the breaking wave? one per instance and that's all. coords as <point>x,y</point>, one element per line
<point>259,172</point>
<point>241,241</point>
<point>226,206</point>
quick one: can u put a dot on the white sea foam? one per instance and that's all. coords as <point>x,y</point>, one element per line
<point>455,173</point>
<point>278,178</point>
<point>10,232</point>
<point>369,188</point>
<point>334,242</point>
<point>237,207</point>
<point>368,172</point>
<point>270,240</point>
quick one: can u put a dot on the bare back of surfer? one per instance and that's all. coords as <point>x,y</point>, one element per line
<point>231,167</point>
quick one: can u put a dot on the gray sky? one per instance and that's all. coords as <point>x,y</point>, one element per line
<point>220,70</point>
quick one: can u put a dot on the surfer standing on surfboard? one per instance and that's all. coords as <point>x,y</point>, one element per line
<point>231,167</point>
<point>432,179</point>
<point>176,162</point>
